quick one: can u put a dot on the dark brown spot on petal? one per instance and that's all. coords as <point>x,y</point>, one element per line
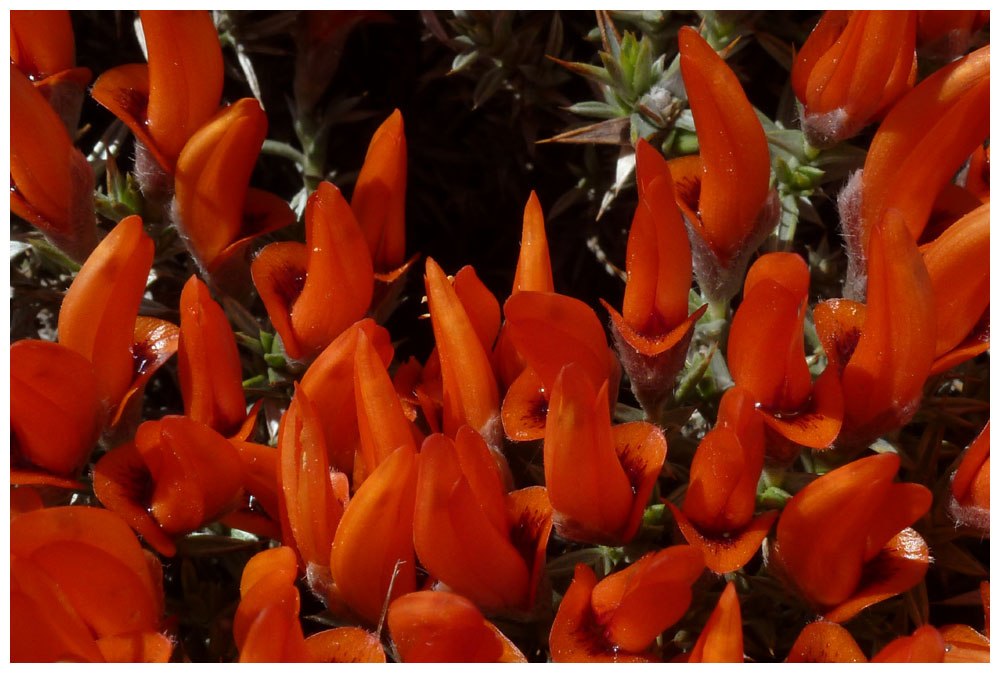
<point>536,412</point>
<point>133,102</point>
<point>142,357</point>
<point>846,342</point>
<point>633,464</point>
<point>288,283</point>
<point>524,535</point>
<point>688,190</point>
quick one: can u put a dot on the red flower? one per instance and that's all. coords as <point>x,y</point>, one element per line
<point>166,102</point>
<point>373,547</point>
<point>313,497</point>
<point>98,319</point>
<point>550,331</point>
<point>379,199</point>
<point>618,618</point>
<point>52,183</point>
<point>83,589</point>
<point>49,381</point>
<point>885,348</point>
<point>970,486</point>
<point>208,362</point>
<point>721,641</point>
<point>329,384</point>
<point>717,516</point>
<point>215,209</point>
<point>842,522</point>
<point>766,354</point>
<point>958,264</point>
<point>599,477</point>
<point>851,70</point>
<point>176,476</point>
<point>722,193</point>
<point>471,534</point>
<point>469,386</point>
<point>437,626</point>
<point>315,291</point>
<point>653,331</point>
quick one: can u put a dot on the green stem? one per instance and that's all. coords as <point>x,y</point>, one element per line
<point>280,149</point>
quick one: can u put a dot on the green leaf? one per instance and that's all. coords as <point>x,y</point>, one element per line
<point>593,108</point>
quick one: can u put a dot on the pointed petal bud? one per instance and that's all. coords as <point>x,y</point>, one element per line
<point>924,139</point>
<point>462,536</point>
<point>379,199</point>
<point>329,384</point>
<point>735,160</point>
<point>852,68</point>
<point>373,548</point>
<point>52,183</point>
<point>721,641</point>
<point>211,186</point>
<point>97,317</point>
<point>208,362</point>
<point>470,388</point>
<point>884,379</point>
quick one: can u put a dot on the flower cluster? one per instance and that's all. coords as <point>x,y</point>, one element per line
<point>755,453</point>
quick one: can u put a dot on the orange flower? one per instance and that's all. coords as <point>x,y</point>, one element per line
<point>261,515</point>
<point>379,199</point>
<point>312,497</point>
<point>766,354</point>
<point>958,263</point>
<point>845,521</point>
<point>176,476</point>
<point>550,331</point>
<point>82,589</point>
<point>618,618</point>
<point>266,626</point>
<point>471,534</point>
<point>165,102</point>
<point>382,425</point>
<point>372,556</point>
<point>945,34</point>
<point>469,386</point>
<point>599,477</point>
<point>313,292</point>
<point>437,626</point>
<point>98,319</point>
<point>214,208</point>
<point>924,646</point>
<point>717,517</point>
<point>42,47</point>
<point>329,384</point>
<point>964,645</point>
<point>825,642</point>
<point>47,382</point>
<point>722,193</point>
<point>41,42</point>
<point>851,70</point>
<point>970,486</point>
<point>721,641</point>
<point>922,142</point>
<point>653,331</point>
<point>52,185</point>
<point>885,348</point>
<point>533,274</point>
<point>208,362</point>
